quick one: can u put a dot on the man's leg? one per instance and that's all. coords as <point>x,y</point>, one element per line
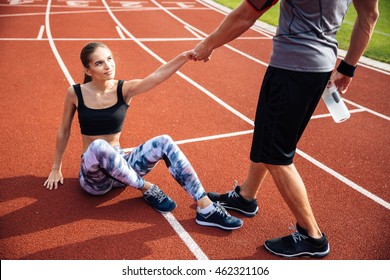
<point>293,191</point>
<point>254,179</point>
<point>306,239</point>
<point>243,197</point>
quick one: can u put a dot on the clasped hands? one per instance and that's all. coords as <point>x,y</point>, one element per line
<point>201,52</point>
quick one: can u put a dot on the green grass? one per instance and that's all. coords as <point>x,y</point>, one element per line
<point>379,46</point>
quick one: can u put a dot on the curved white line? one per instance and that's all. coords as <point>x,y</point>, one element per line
<point>195,84</point>
<point>53,46</point>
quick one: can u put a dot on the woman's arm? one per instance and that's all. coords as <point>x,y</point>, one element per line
<point>63,134</point>
<point>138,86</point>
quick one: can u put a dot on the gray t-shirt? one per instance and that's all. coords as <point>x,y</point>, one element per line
<point>305,39</point>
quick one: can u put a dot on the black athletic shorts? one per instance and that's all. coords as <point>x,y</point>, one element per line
<point>286,103</point>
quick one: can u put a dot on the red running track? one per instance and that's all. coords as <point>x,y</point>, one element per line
<point>344,166</point>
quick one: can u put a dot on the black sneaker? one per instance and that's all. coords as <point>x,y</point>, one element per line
<point>298,244</point>
<point>159,200</point>
<point>233,200</point>
<point>219,218</point>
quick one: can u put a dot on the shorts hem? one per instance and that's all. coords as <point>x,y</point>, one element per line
<point>273,162</point>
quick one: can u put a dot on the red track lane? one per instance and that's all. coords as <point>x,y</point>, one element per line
<point>69,224</point>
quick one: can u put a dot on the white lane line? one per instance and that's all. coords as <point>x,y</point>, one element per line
<point>53,46</point>
<point>90,9</point>
<point>320,116</point>
<point>188,241</point>
<point>366,109</point>
<point>119,30</point>
<point>193,32</point>
<point>213,137</point>
<point>345,180</point>
<point>40,33</point>
<point>205,138</point>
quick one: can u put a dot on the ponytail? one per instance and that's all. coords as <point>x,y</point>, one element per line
<point>87,79</point>
<point>85,56</point>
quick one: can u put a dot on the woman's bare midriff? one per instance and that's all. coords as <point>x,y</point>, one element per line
<point>113,139</point>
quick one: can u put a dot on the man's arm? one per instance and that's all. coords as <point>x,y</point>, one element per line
<point>367,15</point>
<point>236,23</point>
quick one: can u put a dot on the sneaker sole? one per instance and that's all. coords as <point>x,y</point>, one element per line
<point>208,224</point>
<point>248,214</point>
<point>302,254</point>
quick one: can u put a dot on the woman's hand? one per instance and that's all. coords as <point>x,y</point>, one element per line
<point>55,177</point>
<point>190,55</point>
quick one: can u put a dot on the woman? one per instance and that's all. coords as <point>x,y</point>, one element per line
<point>102,103</point>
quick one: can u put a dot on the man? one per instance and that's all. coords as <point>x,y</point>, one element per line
<point>303,57</point>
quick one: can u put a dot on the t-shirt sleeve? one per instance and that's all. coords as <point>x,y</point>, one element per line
<point>260,5</point>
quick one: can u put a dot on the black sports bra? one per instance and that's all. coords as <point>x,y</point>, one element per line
<point>101,121</point>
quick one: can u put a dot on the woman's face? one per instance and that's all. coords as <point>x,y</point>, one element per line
<point>101,65</point>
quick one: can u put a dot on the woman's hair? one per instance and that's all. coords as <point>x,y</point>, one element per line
<point>85,56</point>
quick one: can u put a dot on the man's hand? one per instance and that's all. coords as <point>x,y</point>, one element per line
<point>341,81</point>
<point>202,52</point>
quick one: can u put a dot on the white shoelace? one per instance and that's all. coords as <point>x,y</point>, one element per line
<point>233,193</point>
<point>296,235</point>
<point>221,210</point>
<point>158,194</point>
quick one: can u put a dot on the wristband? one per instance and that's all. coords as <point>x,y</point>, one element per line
<point>346,69</point>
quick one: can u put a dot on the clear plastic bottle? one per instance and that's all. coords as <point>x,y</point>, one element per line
<point>335,104</point>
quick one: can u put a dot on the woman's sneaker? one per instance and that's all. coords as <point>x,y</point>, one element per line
<point>218,217</point>
<point>233,200</point>
<point>298,244</point>
<point>159,200</point>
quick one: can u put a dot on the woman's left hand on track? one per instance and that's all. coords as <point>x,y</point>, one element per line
<point>55,177</point>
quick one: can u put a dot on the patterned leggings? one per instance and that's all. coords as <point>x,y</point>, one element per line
<point>104,167</point>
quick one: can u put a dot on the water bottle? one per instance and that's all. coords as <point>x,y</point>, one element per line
<point>335,104</point>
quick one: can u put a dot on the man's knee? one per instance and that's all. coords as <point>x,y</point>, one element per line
<point>276,167</point>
